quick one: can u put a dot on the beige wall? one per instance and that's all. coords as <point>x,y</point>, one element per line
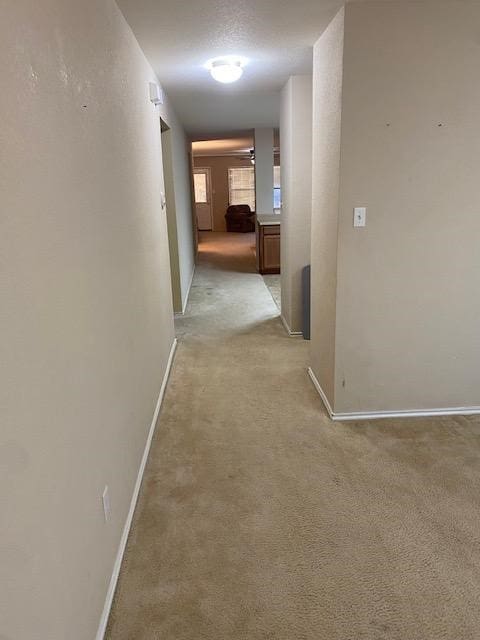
<point>296,177</point>
<point>407,308</point>
<point>264,170</point>
<point>219,166</point>
<point>408,281</point>
<point>327,104</point>
<point>86,314</point>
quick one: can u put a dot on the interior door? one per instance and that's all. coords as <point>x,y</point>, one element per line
<point>203,200</point>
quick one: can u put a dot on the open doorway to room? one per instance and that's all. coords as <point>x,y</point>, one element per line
<point>233,176</point>
<point>168,177</point>
<point>223,169</point>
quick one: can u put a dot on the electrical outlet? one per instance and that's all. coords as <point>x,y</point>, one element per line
<point>106,503</point>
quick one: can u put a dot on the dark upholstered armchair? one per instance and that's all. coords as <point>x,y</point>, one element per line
<point>239,217</point>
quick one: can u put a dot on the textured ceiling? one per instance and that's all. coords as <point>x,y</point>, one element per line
<point>178,37</point>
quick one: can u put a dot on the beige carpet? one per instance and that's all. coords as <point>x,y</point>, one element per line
<point>260,519</point>
<point>273,283</point>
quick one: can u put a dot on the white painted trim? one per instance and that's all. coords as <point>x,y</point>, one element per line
<point>420,413</point>
<point>377,415</point>
<point>321,392</point>
<point>181,313</point>
<point>133,503</point>
<point>287,328</point>
<point>188,290</point>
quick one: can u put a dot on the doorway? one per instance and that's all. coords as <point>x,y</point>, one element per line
<point>203,198</point>
<point>167,161</point>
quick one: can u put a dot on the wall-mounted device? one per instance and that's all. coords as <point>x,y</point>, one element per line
<point>156,93</point>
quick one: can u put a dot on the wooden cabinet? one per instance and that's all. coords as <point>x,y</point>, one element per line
<point>268,246</point>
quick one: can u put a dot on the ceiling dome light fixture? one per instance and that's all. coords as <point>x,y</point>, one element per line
<point>226,70</point>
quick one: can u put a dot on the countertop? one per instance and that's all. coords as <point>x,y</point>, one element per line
<point>264,219</point>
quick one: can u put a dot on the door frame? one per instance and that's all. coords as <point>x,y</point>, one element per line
<point>208,172</point>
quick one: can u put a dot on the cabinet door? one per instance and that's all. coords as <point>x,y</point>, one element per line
<point>271,252</point>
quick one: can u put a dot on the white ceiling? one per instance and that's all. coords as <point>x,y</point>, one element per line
<point>179,36</point>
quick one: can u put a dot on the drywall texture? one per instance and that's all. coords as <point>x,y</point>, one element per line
<point>407,308</point>
<point>219,166</point>
<point>296,177</point>
<point>326,135</point>
<point>264,170</point>
<point>86,314</point>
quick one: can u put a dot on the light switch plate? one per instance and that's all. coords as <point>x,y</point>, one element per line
<point>360,216</point>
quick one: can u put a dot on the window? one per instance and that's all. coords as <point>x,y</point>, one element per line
<point>277,192</point>
<point>200,184</point>
<point>241,186</point>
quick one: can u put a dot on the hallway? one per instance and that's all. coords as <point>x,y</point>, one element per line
<point>259,518</point>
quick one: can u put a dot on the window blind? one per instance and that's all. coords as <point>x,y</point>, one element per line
<point>277,192</point>
<point>241,186</point>
<point>276,177</point>
<point>200,184</point>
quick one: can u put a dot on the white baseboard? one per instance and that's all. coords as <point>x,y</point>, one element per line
<point>287,328</point>
<point>321,392</point>
<point>182,312</point>
<point>133,503</point>
<point>377,415</point>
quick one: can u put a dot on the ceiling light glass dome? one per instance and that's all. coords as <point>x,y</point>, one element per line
<point>226,70</point>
